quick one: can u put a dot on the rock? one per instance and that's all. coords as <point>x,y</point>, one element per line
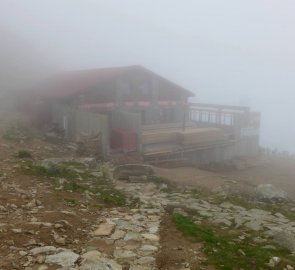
<point>104,264</point>
<point>58,239</point>
<point>154,229</point>
<point>93,256</point>
<point>132,236</point>
<point>124,254</point>
<point>64,258</point>
<point>270,192</point>
<point>274,261</point>
<point>151,237</point>
<point>104,229</point>
<point>223,221</point>
<point>285,239</point>
<point>147,248</point>
<point>118,234</point>
<point>40,258</point>
<point>145,260</point>
<point>43,250</point>
<point>22,253</point>
<point>254,225</point>
<point>259,240</point>
<point>69,213</point>
<point>289,267</point>
<point>17,230</point>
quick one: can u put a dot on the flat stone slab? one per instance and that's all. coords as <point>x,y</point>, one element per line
<point>124,254</point>
<point>132,236</point>
<point>64,258</point>
<point>151,237</point>
<point>104,229</point>
<point>118,234</point>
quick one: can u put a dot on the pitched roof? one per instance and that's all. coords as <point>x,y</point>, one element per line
<point>72,83</point>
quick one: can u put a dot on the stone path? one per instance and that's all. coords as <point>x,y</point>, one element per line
<point>134,232</point>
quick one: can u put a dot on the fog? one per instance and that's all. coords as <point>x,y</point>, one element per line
<point>231,52</point>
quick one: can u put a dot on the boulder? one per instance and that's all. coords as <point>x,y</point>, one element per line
<point>268,192</point>
<point>285,239</point>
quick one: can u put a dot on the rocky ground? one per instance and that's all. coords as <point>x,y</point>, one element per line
<point>61,211</point>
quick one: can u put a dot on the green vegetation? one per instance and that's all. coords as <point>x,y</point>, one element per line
<point>195,193</point>
<point>106,194</point>
<point>73,187</point>
<point>111,196</point>
<point>77,179</point>
<point>66,170</point>
<point>71,202</point>
<point>24,154</point>
<point>225,251</point>
<point>74,164</point>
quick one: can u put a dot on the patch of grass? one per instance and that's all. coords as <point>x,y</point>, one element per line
<point>23,154</point>
<point>105,194</point>
<point>248,204</point>
<point>195,193</point>
<point>224,252</point>
<point>110,196</point>
<point>38,170</point>
<point>57,171</point>
<point>74,164</point>
<point>79,181</point>
<point>71,201</point>
<point>74,187</point>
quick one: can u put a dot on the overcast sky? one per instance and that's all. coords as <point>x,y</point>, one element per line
<point>230,51</point>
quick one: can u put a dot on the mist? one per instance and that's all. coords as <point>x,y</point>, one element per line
<point>229,52</point>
